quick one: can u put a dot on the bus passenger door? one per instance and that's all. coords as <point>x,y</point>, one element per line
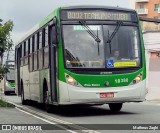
<point>53,63</point>
<point>25,70</point>
<point>18,65</point>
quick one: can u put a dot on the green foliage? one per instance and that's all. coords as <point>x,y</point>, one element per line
<point>6,42</point>
<point>3,70</point>
<point>5,104</point>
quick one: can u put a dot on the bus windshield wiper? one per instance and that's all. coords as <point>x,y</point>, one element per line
<point>119,23</point>
<point>91,32</point>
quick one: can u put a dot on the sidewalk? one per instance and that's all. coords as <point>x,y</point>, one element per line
<point>153,86</point>
<point>153,94</point>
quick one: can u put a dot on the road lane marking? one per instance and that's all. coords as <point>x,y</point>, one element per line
<point>83,129</point>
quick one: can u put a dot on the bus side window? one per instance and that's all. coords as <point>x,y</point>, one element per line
<point>46,36</point>
<point>30,56</point>
<point>37,36</point>
<point>35,52</point>
<point>40,39</point>
<point>46,49</point>
<point>40,52</point>
<point>22,54</point>
<point>22,46</point>
<point>53,35</point>
<point>26,52</point>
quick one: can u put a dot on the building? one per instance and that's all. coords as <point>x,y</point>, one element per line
<point>149,11</point>
<point>152,50</point>
<point>148,8</point>
<point>152,45</point>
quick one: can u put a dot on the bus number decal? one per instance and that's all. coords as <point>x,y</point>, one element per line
<point>123,80</point>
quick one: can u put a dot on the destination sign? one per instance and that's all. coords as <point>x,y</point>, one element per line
<point>97,15</point>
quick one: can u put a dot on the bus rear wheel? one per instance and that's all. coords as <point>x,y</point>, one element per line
<point>115,107</point>
<point>24,102</point>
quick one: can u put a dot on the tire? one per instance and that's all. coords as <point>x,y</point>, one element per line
<point>115,107</point>
<point>48,107</point>
<point>6,93</point>
<point>24,102</point>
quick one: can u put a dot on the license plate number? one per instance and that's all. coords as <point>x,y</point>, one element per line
<point>107,95</point>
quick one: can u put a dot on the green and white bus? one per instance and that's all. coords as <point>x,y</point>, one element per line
<point>83,55</point>
<point>8,82</point>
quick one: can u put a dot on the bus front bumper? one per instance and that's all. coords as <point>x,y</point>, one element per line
<point>80,95</point>
<point>9,89</point>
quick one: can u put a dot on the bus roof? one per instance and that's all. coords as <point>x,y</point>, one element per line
<point>53,13</point>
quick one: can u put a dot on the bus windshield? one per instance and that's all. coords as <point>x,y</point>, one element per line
<point>122,51</point>
<point>10,76</point>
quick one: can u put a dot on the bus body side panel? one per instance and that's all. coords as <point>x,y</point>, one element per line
<point>25,79</point>
<point>34,86</point>
<point>43,75</point>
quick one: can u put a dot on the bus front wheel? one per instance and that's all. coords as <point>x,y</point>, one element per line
<point>115,107</point>
<point>48,107</point>
<point>6,92</point>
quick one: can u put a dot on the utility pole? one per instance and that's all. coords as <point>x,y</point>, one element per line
<point>7,54</point>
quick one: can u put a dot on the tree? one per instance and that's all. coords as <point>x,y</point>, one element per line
<point>6,42</point>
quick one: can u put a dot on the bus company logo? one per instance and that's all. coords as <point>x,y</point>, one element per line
<point>106,83</point>
<point>87,85</point>
<point>6,127</point>
<point>93,85</point>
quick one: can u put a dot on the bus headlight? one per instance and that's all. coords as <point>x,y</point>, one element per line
<point>7,84</point>
<point>137,79</point>
<point>71,81</point>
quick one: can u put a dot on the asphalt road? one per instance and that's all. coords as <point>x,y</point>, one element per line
<point>12,116</point>
<point>131,113</point>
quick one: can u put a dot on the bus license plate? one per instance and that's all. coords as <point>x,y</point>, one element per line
<point>107,95</point>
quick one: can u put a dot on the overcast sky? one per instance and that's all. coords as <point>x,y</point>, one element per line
<point>26,13</point>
